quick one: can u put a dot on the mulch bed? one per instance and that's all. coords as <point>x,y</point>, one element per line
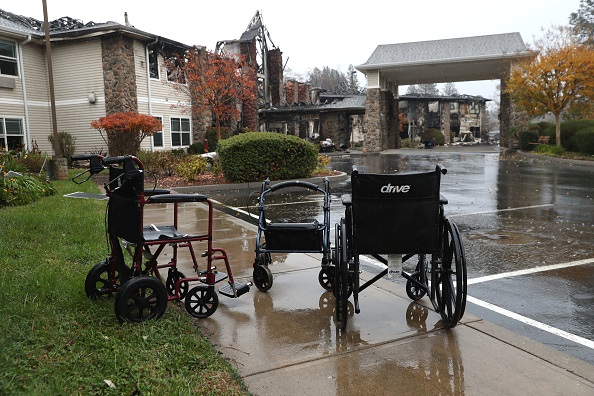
<point>205,179</point>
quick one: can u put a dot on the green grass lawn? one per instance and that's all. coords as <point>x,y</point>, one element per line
<point>54,341</point>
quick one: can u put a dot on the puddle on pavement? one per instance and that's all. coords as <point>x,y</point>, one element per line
<point>503,238</point>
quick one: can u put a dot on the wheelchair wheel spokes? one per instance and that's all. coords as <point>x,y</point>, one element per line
<point>449,277</point>
<point>98,284</point>
<point>141,298</point>
<point>341,284</point>
<point>414,291</point>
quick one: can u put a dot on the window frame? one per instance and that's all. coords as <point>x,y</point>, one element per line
<point>159,133</point>
<point>4,135</point>
<point>181,132</point>
<point>12,59</point>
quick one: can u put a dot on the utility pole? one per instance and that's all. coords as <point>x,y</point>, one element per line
<point>58,169</point>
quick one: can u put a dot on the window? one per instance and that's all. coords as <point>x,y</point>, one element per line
<point>180,132</point>
<point>11,133</point>
<point>8,59</point>
<point>153,59</point>
<point>158,136</point>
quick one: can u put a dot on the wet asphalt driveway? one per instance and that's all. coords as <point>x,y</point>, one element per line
<point>527,227</point>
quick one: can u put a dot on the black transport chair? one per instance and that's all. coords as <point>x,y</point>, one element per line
<point>283,236</point>
<point>398,219</point>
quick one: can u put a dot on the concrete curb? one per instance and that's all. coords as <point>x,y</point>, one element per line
<point>253,185</point>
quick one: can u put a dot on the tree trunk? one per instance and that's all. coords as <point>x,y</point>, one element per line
<point>558,129</point>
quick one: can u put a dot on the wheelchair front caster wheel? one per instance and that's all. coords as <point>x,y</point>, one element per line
<point>172,278</point>
<point>201,301</point>
<point>414,291</point>
<point>262,277</point>
<point>141,298</point>
<point>326,277</point>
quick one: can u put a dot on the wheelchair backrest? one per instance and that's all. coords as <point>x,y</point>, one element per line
<point>395,213</point>
<point>124,207</point>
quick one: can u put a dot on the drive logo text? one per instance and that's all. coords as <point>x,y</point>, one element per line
<point>390,189</point>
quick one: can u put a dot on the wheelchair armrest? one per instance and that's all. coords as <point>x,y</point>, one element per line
<point>443,200</point>
<point>347,199</point>
<point>172,198</point>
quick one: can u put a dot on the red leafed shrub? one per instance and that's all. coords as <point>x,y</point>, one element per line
<point>125,131</point>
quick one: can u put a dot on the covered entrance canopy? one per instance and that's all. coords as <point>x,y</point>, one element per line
<point>438,61</point>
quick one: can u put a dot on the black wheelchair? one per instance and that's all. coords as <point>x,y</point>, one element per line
<point>141,293</point>
<point>284,236</point>
<point>397,219</point>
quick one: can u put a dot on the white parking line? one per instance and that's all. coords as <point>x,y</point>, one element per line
<point>500,210</point>
<point>530,271</point>
<point>549,329</point>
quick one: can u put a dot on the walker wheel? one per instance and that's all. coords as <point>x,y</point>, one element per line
<point>201,301</point>
<point>141,298</point>
<point>262,277</point>
<point>173,276</point>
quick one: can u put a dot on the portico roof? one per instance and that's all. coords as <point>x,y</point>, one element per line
<point>449,60</point>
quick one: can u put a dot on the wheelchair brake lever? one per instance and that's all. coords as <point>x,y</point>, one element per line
<point>75,178</point>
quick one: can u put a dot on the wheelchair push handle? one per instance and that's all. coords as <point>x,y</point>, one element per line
<point>441,169</point>
<point>294,183</point>
<point>95,166</point>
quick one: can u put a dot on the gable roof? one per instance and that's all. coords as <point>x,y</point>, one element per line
<point>64,28</point>
<point>489,53</point>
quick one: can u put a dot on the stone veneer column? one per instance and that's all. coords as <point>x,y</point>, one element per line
<point>504,115</point>
<point>119,74</point>
<point>445,121</point>
<point>372,137</point>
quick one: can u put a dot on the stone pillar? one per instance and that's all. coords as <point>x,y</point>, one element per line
<point>484,123</point>
<point>445,121</point>
<point>119,74</point>
<point>371,140</point>
<point>504,115</point>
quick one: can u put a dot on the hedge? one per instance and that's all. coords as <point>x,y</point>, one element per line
<point>255,156</point>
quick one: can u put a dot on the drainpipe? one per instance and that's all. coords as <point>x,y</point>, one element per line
<point>24,86</point>
<point>148,80</point>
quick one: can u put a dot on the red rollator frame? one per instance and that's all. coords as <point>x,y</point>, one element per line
<point>141,292</point>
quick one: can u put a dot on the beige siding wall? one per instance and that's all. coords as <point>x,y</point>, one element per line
<point>78,73</point>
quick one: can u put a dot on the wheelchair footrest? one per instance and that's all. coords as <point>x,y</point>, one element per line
<point>240,288</point>
<point>219,276</point>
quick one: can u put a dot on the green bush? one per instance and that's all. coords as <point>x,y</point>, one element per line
<point>196,148</point>
<point>525,138</point>
<point>436,134</point>
<point>584,139</point>
<point>23,190</point>
<point>161,163</point>
<point>568,130</point>
<point>66,142</point>
<point>255,156</point>
<point>192,167</point>
<point>549,149</point>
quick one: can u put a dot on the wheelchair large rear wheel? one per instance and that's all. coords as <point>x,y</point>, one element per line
<point>97,283</point>
<point>448,276</point>
<point>341,282</point>
<point>141,298</point>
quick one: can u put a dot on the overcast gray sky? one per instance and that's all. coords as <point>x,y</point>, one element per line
<point>320,33</point>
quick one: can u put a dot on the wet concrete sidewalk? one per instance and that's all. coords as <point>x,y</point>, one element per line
<point>284,342</point>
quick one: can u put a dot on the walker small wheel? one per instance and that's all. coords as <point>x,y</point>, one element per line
<point>262,277</point>
<point>201,301</point>
<point>173,276</point>
<point>141,298</point>
<point>326,277</point>
<point>414,291</point>
<point>97,283</point>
